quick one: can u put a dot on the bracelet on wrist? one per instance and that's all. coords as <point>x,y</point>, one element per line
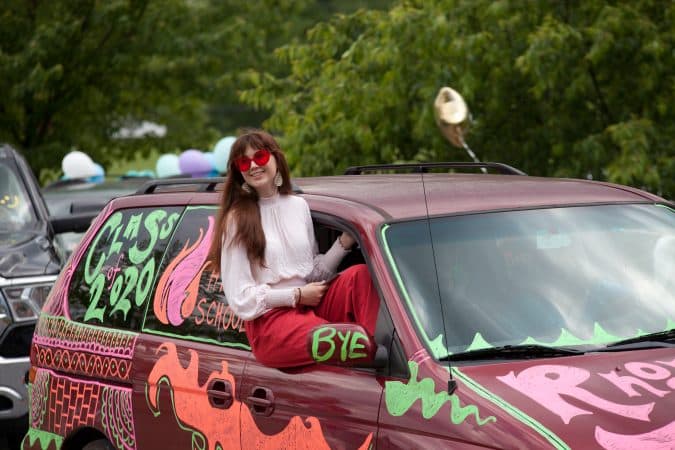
<point>297,296</point>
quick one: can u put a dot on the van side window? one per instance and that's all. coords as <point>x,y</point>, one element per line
<point>115,276</point>
<point>326,232</point>
<point>189,302</point>
<point>325,237</point>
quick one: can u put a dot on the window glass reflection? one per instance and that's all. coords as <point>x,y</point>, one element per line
<point>563,276</point>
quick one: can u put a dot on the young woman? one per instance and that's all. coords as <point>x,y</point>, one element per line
<point>273,277</point>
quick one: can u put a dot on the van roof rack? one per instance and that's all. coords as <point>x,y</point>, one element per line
<point>188,185</point>
<point>424,167</point>
<point>181,185</point>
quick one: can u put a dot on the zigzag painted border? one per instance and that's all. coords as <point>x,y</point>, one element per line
<point>63,333</point>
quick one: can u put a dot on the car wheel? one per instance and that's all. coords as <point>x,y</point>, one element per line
<point>15,430</point>
<point>14,439</point>
<point>100,444</point>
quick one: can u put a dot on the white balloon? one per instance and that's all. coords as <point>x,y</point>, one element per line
<point>167,165</point>
<point>221,152</point>
<point>77,164</point>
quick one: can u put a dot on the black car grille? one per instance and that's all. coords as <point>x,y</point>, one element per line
<point>15,342</point>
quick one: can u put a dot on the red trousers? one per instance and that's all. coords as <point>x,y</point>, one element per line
<point>278,338</point>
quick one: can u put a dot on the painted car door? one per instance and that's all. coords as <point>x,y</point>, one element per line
<point>318,406</point>
<point>191,355</point>
<point>315,407</point>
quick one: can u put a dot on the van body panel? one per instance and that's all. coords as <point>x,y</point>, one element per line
<point>191,381</point>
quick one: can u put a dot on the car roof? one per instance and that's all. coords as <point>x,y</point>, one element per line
<point>402,196</point>
<point>412,195</point>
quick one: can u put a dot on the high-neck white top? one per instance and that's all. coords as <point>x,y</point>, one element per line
<point>291,259</point>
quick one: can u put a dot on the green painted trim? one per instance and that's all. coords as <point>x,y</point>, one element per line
<point>437,347</point>
<point>600,336</point>
<point>431,344</point>
<point>45,438</point>
<point>193,207</point>
<point>478,343</point>
<point>400,397</point>
<point>519,415</point>
<point>198,339</point>
<point>660,205</point>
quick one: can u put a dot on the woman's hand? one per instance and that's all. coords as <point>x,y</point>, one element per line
<point>312,293</point>
<point>346,240</point>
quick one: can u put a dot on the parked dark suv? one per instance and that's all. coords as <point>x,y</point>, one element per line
<point>29,264</point>
<point>516,312</point>
<point>28,268</point>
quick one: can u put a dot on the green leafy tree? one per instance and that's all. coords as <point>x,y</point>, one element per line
<point>255,30</point>
<point>564,88</point>
<point>73,73</point>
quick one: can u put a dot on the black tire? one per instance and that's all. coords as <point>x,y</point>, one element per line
<point>99,444</point>
<point>14,439</point>
<point>14,430</point>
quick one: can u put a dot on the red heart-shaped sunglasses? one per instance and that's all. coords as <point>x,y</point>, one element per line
<point>261,157</point>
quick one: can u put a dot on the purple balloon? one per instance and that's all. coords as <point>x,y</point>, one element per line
<point>193,162</point>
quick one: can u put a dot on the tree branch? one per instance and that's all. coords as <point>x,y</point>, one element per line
<point>32,11</point>
<point>607,115</point>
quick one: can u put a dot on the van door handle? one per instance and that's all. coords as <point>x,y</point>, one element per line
<point>261,401</point>
<point>220,393</point>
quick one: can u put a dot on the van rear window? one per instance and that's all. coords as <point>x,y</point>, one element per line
<point>115,278</point>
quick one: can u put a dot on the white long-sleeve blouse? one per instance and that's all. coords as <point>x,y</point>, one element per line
<point>291,259</point>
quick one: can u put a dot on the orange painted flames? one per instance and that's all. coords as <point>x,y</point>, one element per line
<point>190,401</point>
<point>219,426</point>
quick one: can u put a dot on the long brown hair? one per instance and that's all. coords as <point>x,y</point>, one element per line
<point>241,206</point>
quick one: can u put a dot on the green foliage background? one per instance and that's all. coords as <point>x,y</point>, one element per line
<point>556,87</point>
<point>565,88</point>
<point>75,72</point>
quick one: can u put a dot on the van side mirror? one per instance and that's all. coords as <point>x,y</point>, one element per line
<point>344,344</point>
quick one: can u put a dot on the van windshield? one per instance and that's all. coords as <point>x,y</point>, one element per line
<point>574,276</point>
<point>16,210</point>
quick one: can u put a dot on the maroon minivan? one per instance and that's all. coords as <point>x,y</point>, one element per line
<point>516,312</point>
